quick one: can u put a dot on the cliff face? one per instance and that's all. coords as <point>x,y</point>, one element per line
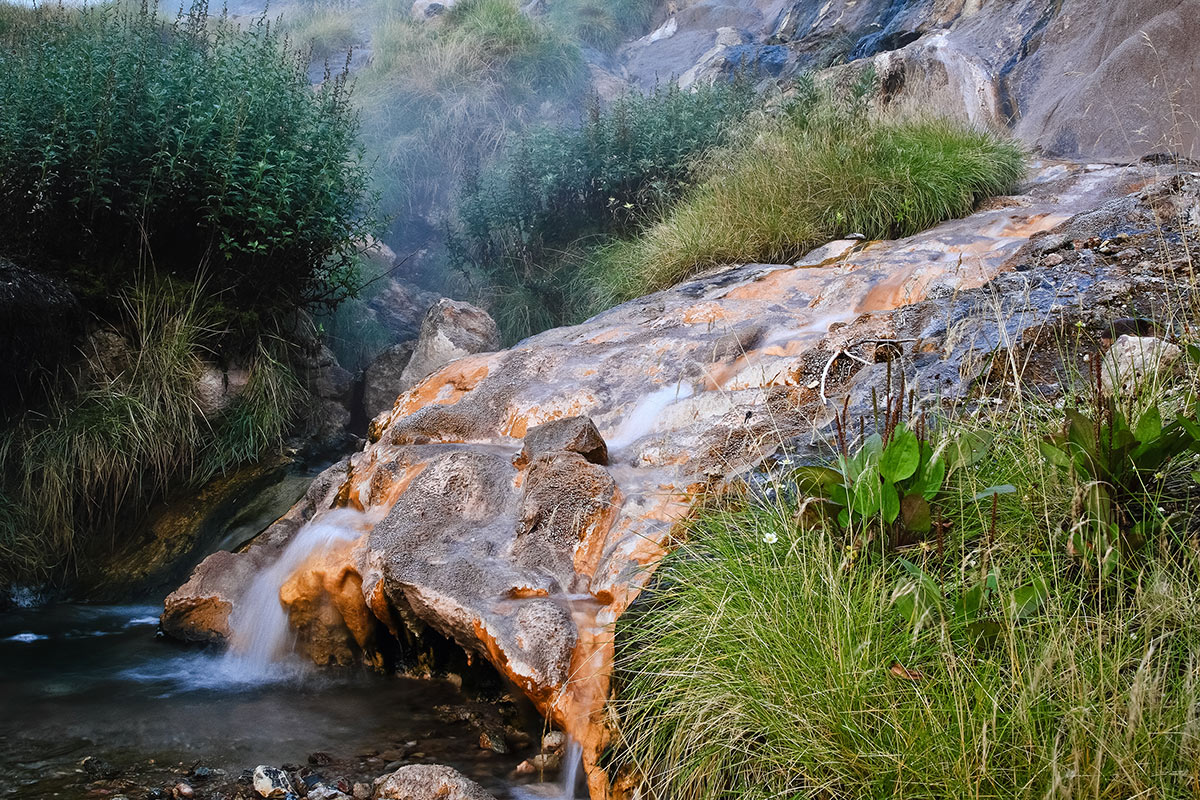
<point>1072,78</point>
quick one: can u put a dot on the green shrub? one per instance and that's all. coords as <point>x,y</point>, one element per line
<point>328,32</point>
<point>193,146</point>
<point>523,223</point>
<point>824,169</point>
<point>600,24</point>
<point>439,97</point>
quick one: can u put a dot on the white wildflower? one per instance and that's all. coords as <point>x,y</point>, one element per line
<point>770,538</point>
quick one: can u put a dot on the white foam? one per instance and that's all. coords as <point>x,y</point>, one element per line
<point>641,420</point>
<point>27,637</point>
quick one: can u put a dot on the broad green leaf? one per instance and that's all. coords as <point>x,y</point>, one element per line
<point>867,494</point>
<point>1054,455</point>
<point>901,457</point>
<point>967,449</point>
<point>889,502</point>
<point>992,491</point>
<point>817,481</point>
<point>1027,599</point>
<point>969,604</point>
<point>917,596</point>
<point>915,514</point>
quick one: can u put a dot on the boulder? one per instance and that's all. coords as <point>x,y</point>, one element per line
<point>450,330</point>
<point>272,782</point>
<point>383,378</point>
<point>1134,360</point>
<point>427,9</point>
<point>573,434</point>
<point>429,782</point>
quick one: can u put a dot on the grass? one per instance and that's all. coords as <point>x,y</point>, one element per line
<point>764,662</point>
<point>823,170</point>
<point>129,431</point>
<point>327,31</point>
<point>599,24</point>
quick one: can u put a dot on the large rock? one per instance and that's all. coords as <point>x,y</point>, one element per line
<point>383,378</point>
<point>451,330</point>
<point>573,434</point>
<point>272,783</point>
<point>1069,77</point>
<point>429,782</point>
<point>1133,362</point>
<point>526,553</point>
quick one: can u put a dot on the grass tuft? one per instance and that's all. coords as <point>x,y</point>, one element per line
<point>823,170</point>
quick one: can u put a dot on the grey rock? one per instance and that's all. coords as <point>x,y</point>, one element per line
<point>450,330</point>
<point>383,378</point>
<point>1134,360</point>
<point>574,434</point>
<point>429,782</point>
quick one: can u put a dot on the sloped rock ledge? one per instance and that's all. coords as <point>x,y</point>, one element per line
<point>524,544</point>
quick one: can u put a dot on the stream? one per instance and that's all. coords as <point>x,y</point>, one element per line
<point>94,681</point>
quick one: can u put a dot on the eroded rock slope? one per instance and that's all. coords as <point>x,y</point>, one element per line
<point>515,501</point>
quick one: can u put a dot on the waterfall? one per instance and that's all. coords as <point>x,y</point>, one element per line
<point>572,761</point>
<point>261,640</point>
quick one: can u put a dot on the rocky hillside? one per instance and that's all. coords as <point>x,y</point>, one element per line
<point>1072,79</point>
<point>515,501</point>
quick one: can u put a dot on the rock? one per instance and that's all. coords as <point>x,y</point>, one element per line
<point>546,761</point>
<point>216,388</point>
<point>450,330</point>
<point>554,742</point>
<point>322,792</point>
<point>427,9</point>
<point>183,791</point>
<point>319,759</point>
<point>272,782</point>
<point>574,434</point>
<point>429,782</point>
<point>97,767</point>
<point>1133,360</point>
<point>362,791</point>
<point>383,378</point>
<point>1053,260</point>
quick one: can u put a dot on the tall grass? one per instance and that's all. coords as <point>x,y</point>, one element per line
<point>602,24</point>
<point>126,434</point>
<point>824,169</point>
<point>765,662</point>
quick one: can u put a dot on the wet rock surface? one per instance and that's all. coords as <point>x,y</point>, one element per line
<point>527,556</point>
<point>451,329</point>
<point>429,782</point>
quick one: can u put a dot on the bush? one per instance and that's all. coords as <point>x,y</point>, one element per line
<point>439,97</point>
<point>522,224</point>
<point>193,146</point>
<point>823,170</point>
<point>131,430</point>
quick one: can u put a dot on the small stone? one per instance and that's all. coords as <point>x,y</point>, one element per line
<point>554,742</point>
<point>1052,260</point>
<point>362,791</point>
<point>183,791</point>
<point>272,782</point>
<point>526,767</point>
<point>98,767</point>
<point>546,761</point>
<point>319,759</point>
<point>1128,254</point>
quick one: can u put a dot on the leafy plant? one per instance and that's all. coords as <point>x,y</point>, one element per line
<point>195,146</point>
<point>976,611</point>
<point>1117,458</point>
<point>524,223</point>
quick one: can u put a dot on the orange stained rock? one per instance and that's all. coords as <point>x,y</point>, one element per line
<point>446,386</point>
<point>595,536</point>
<point>330,579</point>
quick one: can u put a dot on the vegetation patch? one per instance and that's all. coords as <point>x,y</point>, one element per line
<point>602,25</point>
<point>525,225</point>
<point>822,170</point>
<point>838,645</point>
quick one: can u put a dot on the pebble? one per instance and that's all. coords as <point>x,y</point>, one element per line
<point>553,741</point>
<point>319,759</point>
<point>1053,260</point>
<point>272,782</point>
<point>546,761</point>
<point>182,791</point>
<point>362,791</point>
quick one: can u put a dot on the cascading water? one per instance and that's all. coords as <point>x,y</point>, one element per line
<point>261,640</point>
<point>572,761</point>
